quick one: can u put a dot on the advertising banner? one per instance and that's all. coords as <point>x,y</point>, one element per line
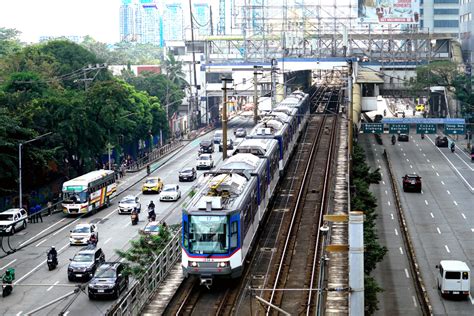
<point>390,11</point>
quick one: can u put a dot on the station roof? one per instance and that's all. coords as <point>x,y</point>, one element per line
<point>364,76</point>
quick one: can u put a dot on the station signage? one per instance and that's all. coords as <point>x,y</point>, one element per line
<point>426,128</point>
<point>454,128</point>
<point>398,128</point>
<point>372,128</point>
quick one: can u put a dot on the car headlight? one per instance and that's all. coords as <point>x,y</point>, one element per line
<point>193,264</point>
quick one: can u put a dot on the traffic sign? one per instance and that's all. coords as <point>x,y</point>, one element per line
<point>454,128</point>
<point>372,128</point>
<point>398,128</point>
<point>426,128</point>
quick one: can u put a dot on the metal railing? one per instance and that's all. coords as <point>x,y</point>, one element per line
<point>154,155</point>
<point>140,293</point>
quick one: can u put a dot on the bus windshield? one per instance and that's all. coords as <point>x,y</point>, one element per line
<point>75,197</point>
<point>208,235</point>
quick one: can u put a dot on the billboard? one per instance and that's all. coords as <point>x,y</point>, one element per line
<point>390,11</point>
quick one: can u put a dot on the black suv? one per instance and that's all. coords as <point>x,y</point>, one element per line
<point>230,145</point>
<point>108,280</point>
<point>206,147</point>
<point>441,141</point>
<point>403,138</point>
<point>84,263</point>
<point>411,182</point>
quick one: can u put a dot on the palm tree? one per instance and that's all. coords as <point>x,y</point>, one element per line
<point>174,70</point>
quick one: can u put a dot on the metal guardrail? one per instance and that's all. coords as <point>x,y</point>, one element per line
<point>140,293</point>
<point>156,154</point>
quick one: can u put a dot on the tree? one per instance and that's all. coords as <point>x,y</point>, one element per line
<point>9,42</point>
<point>174,71</point>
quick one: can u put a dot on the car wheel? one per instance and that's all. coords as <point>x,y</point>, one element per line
<point>116,294</point>
<point>24,224</point>
<point>69,278</point>
<point>12,231</point>
<point>91,296</point>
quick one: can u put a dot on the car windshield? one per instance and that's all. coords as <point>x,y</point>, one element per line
<point>6,217</point>
<point>208,234</point>
<point>128,200</point>
<point>81,230</point>
<point>206,144</point>
<point>152,228</point>
<point>151,181</point>
<point>169,188</point>
<point>75,197</point>
<point>186,170</point>
<point>105,272</point>
<point>84,257</point>
<point>204,157</point>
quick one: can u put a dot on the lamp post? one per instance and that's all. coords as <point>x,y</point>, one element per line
<point>20,146</point>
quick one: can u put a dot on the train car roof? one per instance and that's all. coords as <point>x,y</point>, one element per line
<point>223,192</point>
<point>268,127</point>
<point>259,146</point>
<point>285,109</point>
<point>280,116</point>
<point>244,161</point>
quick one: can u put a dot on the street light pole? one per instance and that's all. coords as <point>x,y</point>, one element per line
<point>20,146</point>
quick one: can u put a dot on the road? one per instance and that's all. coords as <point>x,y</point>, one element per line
<point>440,219</point>
<point>35,285</point>
<point>393,273</point>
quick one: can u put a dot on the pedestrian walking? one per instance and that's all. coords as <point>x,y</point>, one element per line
<point>50,208</point>
<point>32,215</point>
<point>38,213</point>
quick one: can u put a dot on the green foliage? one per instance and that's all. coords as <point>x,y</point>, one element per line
<point>174,71</point>
<point>144,251</point>
<point>370,295</point>
<point>362,199</point>
<point>9,42</point>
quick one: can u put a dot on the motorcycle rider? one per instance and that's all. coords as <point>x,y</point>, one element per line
<point>7,280</point>
<point>394,139</point>
<point>151,211</point>
<point>93,240</point>
<point>452,147</point>
<point>54,254</point>
<point>134,216</point>
<point>422,136</point>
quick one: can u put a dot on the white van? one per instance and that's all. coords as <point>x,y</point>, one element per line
<point>453,278</point>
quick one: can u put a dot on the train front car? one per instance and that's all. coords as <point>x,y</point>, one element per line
<point>216,226</point>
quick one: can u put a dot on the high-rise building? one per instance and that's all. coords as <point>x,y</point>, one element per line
<point>173,22</point>
<point>466,29</point>
<point>148,22</point>
<point>202,18</point>
<point>127,21</point>
<point>440,16</point>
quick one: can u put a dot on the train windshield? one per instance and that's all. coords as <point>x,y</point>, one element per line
<point>208,235</point>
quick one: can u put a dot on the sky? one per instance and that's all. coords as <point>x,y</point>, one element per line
<point>35,18</point>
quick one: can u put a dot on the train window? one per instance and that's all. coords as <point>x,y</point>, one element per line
<point>234,231</point>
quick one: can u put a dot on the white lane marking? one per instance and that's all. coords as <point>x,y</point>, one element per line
<point>448,192</point>
<point>437,174</point>
<point>388,202</point>
<point>51,287</point>
<point>472,300</point>
<point>439,231</point>
<point>432,216</point>
<point>408,160</point>
<point>391,215</point>
<point>432,167</point>
<point>463,216</point>
<point>442,182</point>
<point>122,260</point>
<point>414,301</point>
<point>41,242</point>
<point>378,160</point>
<point>10,263</point>
<point>381,174</point>
<point>383,182</point>
<point>411,166</point>
<point>447,249</point>
<point>25,242</point>
<point>404,154</point>
<point>380,167</point>
<point>19,313</point>
<point>66,226</point>
<point>128,223</point>
<point>66,313</point>
<point>427,160</point>
<point>401,250</point>
<point>424,155</point>
<point>108,240</point>
<point>375,149</point>
<point>460,158</point>
<point>422,192</point>
<point>386,192</point>
<point>36,268</point>
<point>396,232</point>
<point>108,215</point>
<point>426,202</point>
<point>420,149</point>
<point>406,273</point>
<point>400,148</point>
<point>455,203</point>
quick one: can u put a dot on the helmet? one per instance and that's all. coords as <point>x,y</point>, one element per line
<point>52,247</point>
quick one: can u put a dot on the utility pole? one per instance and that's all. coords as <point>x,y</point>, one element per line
<point>273,78</point>
<point>90,68</point>
<point>193,97</point>
<point>255,93</point>
<point>224,116</point>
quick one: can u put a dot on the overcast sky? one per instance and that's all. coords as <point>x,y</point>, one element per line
<point>35,18</point>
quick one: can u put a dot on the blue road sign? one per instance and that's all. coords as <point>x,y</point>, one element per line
<point>454,128</point>
<point>420,120</point>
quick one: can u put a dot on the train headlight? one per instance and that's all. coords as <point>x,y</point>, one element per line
<point>223,264</point>
<point>192,264</point>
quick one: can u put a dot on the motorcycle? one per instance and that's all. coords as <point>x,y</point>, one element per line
<point>452,148</point>
<point>52,262</point>
<point>6,289</point>
<point>394,140</point>
<point>93,241</point>
<point>472,157</point>
<point>422,136</point>
<point>134,218</point>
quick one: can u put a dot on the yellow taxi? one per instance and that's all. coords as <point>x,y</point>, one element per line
<point>152,185</point>
<point>420,107</point>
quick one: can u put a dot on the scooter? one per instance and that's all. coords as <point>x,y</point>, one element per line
<point>52,262</point>
<point>7,289</point>
<point>134,218</point>
<point>422,136</point>
<point>452,148</point>
<point>393,140</point>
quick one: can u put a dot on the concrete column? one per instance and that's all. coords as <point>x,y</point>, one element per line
<point>356,263</point>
